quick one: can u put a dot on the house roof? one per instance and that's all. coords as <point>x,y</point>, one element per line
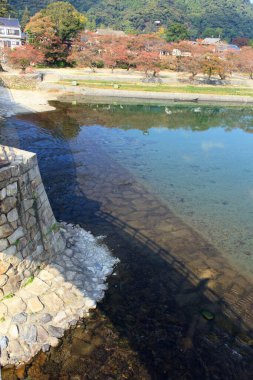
<point>228,47</point>
<point>9,22</point>
<point>211,41</point>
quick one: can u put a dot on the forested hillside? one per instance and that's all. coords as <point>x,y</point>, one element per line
<point>229,18</point>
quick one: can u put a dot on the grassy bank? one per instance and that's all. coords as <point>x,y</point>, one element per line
<point>138,86</point>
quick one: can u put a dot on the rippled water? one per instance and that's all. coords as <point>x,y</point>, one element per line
<point>166,185</point>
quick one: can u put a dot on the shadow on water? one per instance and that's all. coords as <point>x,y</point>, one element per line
<point>153,322</point>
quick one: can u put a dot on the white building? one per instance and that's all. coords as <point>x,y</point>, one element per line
<point>10,32</point>
<point>211,41</point>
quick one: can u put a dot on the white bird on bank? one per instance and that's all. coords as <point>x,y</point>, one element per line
<point>168,111</point>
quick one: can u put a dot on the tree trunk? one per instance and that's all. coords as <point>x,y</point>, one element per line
<point>1,68</point>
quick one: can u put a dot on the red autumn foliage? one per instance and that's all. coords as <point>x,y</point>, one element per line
<point>86,51</point>
<point>114,53</point>
<point>150,52</point>
<point>240,41</point>
<point>24,56</point>
<point>245,61</point>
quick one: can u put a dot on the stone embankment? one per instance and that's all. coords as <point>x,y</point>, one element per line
<point>29,235</point>
<point>19,82</point>
<point>51,274</point>
<point>140,95</point>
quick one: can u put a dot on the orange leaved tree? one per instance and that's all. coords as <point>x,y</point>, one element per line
<point>24,56</point>
<point>245,61</point>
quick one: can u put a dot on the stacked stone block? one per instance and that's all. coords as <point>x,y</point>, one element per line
<point>19,82</point>
<point>29,234</point>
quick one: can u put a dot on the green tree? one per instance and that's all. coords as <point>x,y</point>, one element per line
<point>91,24</point>
<point>234,16</point>
<point>66,19</point>
<point>25,18</point>
<point>213,32</point>
<point>176,32</point>
<point>4,8</point>
<point>41,34</point>
<point>52,30</point>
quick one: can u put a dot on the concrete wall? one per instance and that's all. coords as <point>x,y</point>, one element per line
<point>29,234</point>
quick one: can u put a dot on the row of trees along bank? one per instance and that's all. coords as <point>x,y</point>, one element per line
<point>56,37</point>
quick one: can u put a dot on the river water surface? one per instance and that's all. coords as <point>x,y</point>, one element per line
<point>171,189</point>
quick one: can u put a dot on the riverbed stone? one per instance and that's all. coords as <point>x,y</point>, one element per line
<point>53,341</point>
<point>37,287</point>
<point>3,219</point>
<point>12,216</point>
<point>4,325</point>
<point>3,194</point>
<point>8,204</point>
<point>29,334</point>
<point>3,311</point>
<point>34,305</point>
<point>52,302</point>
<point>54,331</point>
<point>15,349</point>
<point>28,203</point>
<point>12,189</point>
<point>45,275</point>
<point>13,331</point>
<point>42,334</point>
<point>46,347</point>
<point>60,316</point>
<point>20,318</point>
<point>4,266</point>
<point>3,244</point>
<point>15,305</point>
<point>5,230</point>
<point>3,280</point>
<point>45,318</point>
<point>10,251</point>
<point>18,234</point>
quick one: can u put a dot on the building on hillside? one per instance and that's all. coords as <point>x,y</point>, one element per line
<point>10,32</point>
<point>211,41</point>
<point>180,53</point>
<point>110,32</point>
<point>227,47</point>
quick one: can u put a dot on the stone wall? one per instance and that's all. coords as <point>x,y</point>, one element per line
<point>29,234</point>
<point>19,82</point>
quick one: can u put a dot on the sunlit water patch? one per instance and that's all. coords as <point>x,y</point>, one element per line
<point>197,159</point>
<point>206,179</point>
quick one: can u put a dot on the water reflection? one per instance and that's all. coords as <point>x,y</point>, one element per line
<point>151,324</point>
<point>69,118</point>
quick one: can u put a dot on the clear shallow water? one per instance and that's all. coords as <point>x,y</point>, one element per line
<point>150,324</point>
<point>199,160</point>
<point>205,177</point>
